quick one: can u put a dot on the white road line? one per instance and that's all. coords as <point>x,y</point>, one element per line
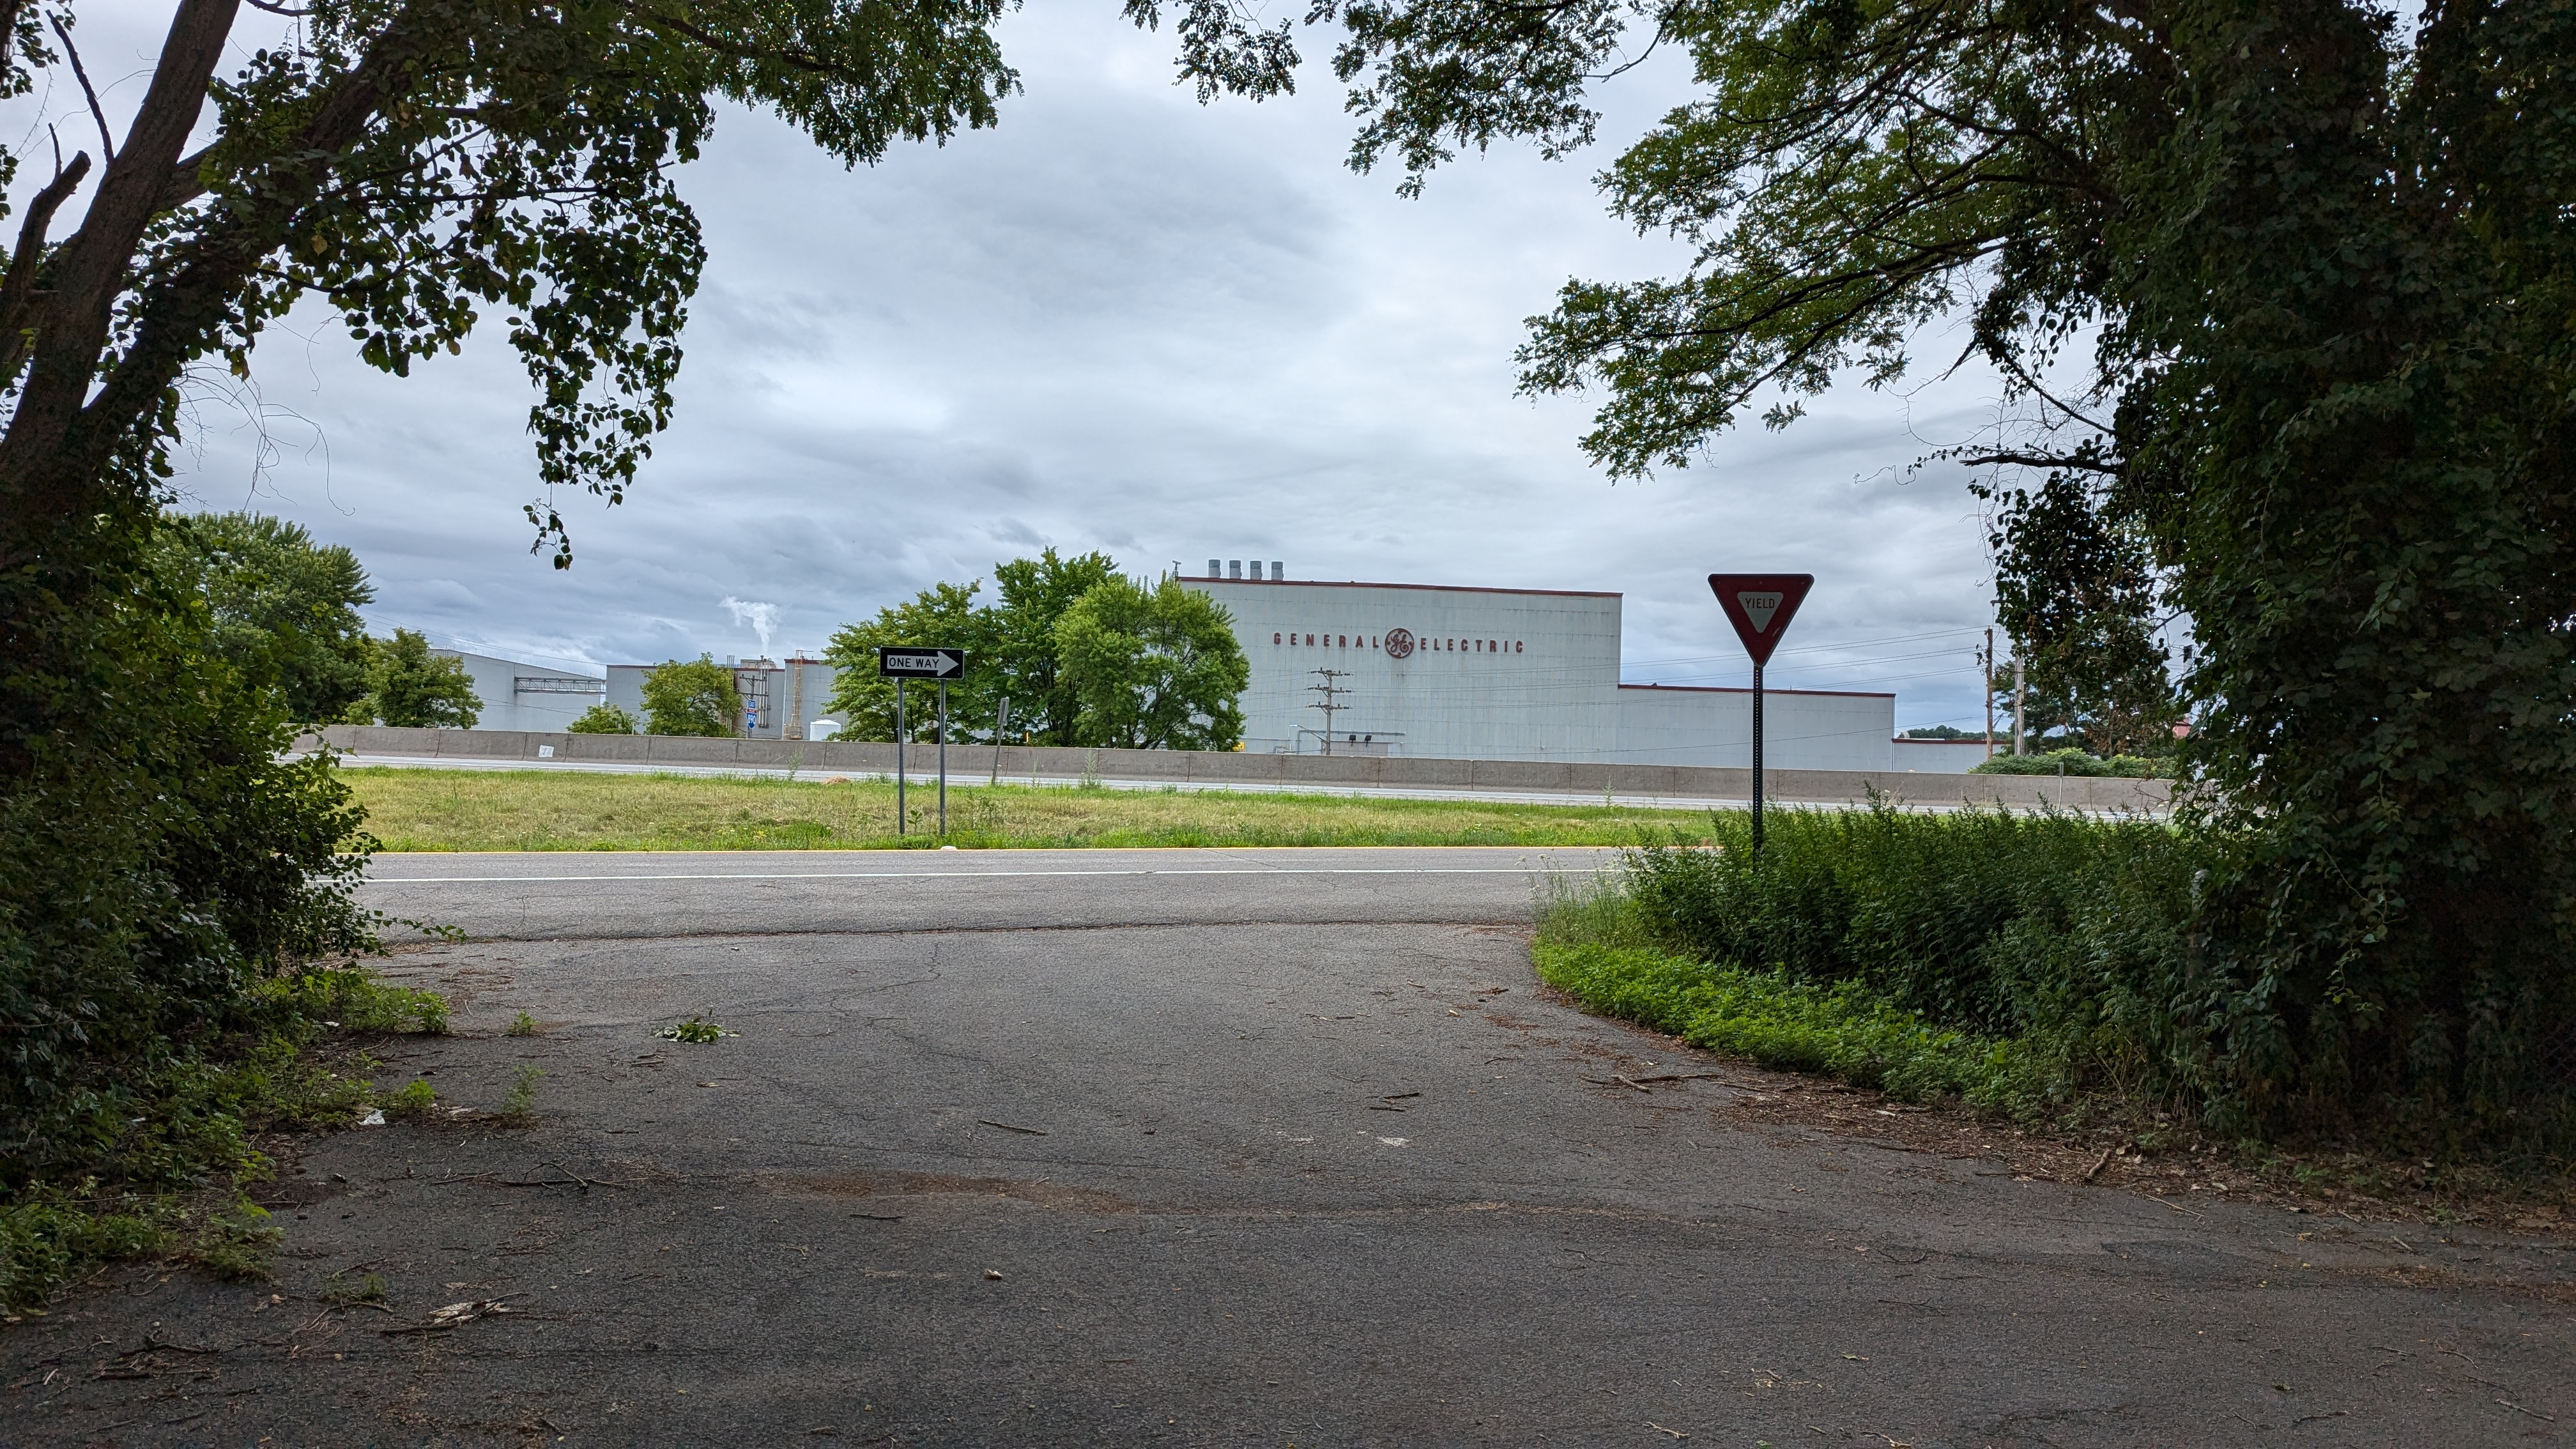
<point>995,874</point>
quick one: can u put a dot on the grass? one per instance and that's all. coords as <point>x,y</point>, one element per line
<point>440,810</point>
<point>1596,946</point>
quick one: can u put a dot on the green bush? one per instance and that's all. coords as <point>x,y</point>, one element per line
<point>697,697</point>
<point>409,686</point>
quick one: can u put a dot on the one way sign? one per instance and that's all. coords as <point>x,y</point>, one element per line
<point>897,662</point>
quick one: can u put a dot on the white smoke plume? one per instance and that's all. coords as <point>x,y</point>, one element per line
<point>763,618</point>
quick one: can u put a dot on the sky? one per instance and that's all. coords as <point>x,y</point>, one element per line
<point>1120,321</point>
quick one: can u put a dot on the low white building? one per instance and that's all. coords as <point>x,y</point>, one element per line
<point>521,696</point>
<point>1504,674</point>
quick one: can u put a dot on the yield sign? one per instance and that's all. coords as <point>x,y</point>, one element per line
<point>1760,607</point>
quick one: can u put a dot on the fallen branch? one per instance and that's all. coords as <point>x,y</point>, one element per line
<point>452,1316</point>
<point>2099,1163</point>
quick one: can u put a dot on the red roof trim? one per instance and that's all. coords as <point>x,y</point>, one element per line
<point>1429,588</point>
<point>1715,689</point>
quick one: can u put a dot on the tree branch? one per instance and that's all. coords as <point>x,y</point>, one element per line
<point>97,112</point>
<point>2046,460</point>
<point>41,482</point>
<point>28,258</point>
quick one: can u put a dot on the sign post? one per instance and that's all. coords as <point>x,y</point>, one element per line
<point>1001,727</point>
<point>899,663</point>
<point>1760,607</point>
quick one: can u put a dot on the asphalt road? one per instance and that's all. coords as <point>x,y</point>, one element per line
<point>1268,1147</point>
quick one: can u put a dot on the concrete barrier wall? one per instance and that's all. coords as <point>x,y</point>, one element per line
<point>971,762</point>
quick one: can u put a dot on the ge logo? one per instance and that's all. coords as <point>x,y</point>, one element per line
<point>1399,643</point>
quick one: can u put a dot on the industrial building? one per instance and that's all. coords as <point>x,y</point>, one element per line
<point>521,696</point>
<point>1502,674</point>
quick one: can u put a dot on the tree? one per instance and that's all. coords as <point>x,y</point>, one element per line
<point>603,719</point>
<point>2080,603</point>
<point>941,615</point>
<point>1036,592</point>
<point>420,168</point>
<point>694,698</point>
<point>1155,669</point>
<point>283,609</point>
<point>409,686</point>
<point>2290,287</point>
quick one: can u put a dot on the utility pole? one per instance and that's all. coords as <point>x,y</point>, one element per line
<point>1332,693</point>
<point>1986,677</point>
<point>2021,688</point>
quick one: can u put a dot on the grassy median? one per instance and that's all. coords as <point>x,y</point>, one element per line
<point>412,810</point>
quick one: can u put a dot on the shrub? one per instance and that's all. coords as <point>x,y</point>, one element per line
<point>604,719</point>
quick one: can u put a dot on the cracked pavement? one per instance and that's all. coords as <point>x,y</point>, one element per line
<point>1204,1147</point>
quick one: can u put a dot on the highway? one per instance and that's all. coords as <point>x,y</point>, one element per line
<point>1216,1147</point>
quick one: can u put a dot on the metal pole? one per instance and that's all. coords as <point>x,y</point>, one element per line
<point>2019,685</point>
<point>1757,759</point>
<point>1002,726</point>
<point>1986,678</point>
<point>898,756</point>
<point>943,757</point>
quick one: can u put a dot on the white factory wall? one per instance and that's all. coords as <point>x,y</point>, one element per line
<point>1506,674</point>
<point>1941,757</point>
<point>520,696</point>
<point>1493,674</point>
<point>1801,729</point>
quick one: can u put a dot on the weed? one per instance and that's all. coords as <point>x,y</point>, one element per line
<point>522,1025</point>
<point>341,1291</point>
<point>168,1137</point>
<point>412,1099</point>
<point>519,1108</point>
<point>696,1029</point>
<point>237,1242</point>
<point>48,1235</point>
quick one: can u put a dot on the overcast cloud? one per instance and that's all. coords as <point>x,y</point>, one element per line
<point>1119,321</point>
